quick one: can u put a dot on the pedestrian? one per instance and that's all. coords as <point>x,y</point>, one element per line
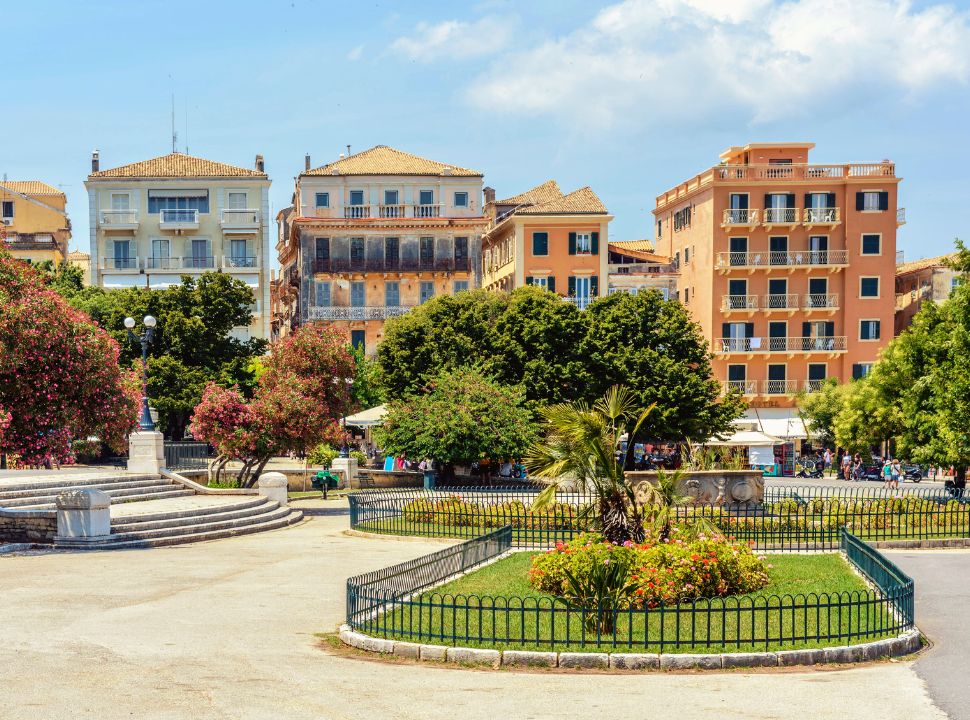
<point>857,468</point>
<point>827,459</point>
<point>846,466</point>
<point>896,471</point>
<point>887,473</point>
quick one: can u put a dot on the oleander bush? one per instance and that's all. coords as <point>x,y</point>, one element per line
<point>455,511</point>
<point>669,572</point>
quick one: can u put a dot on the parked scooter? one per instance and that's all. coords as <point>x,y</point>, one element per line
<point>809,468</point>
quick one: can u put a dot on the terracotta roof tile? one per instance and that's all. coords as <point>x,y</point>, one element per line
<point>176,165</point>
<point>579,202</point>
<point>384,160</point>
<point>638,245</point>
<point>547,192</point>
<point>30,187</point>
<point>915,265</point>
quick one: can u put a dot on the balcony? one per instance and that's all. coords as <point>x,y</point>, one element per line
<point>780,216</point>
<point>731,303</point>
<point>118,219</point>
<point>736,217</point>
<point>780,302</point>
<point>391,211</point>
<point>829,216</point>
<point>365,265</point>
<point>120,264</point>
<point>198,262</point>
<point>240,220</point>
<point>163,263</point>
<point>580,302</point>
<point>365,312</point>
<point>426,211</point>
<point>817,301</point>
<point>357,212</point>
<point>780,387</point>
<point>178,219</point>
<point>782,259</point>
<point>745,387</point>
<point>814,385</point>
<point>792,345</point>
<point>236,262</point>
<point>900,216</point>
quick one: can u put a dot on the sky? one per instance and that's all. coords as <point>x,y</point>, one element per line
<point>627,97</point>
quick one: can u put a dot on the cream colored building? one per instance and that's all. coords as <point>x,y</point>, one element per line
<point>33,221</point>
<point>81,260</point>
<point>156,220</point>
<point>922,280</point>
<point>636,267</point>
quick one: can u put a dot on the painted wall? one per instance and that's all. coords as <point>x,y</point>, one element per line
<point>37,215</point>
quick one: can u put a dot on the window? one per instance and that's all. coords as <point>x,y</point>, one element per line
<point>660,229</point>
<point>159,200</point>
<point>540,243</point>
<point>357,290</point>
<point>817,372</point>
<point>860,370</point>
<point>778,250</point>
<point>461,199</point>
<point>818,249</point>
<point>237,201</point>
<point>686,255</point>
<point>356,197</point>
<point>460,286</point>
<point>237,253</point>
<point>358,339</point>
<point>122,255</point>
<point>427,290</point>
<point>391,251</point>
<point>869,330</point>
<point>391,197</point>
<point>323,248</point>
<point>737,376</point>
<point>357,249</point>
<point>427,251</point>
<point>869,287</point>
<point>682,219</point>
<point>8,209</point>
<point>120,201</point>
<point>426,197</point>
<point>583,244</point>
<point>871,244</point>
<point>201,253</point>
<point>461,249</point>
<point>542,282</point>
<point>323,200</point>
<point>686,295</point>
<point>392,294</point>
<point>322,294</point>
<point>954,282</point>
<point>871,201</point>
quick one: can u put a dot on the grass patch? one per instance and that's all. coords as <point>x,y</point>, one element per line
<point>812,601</point>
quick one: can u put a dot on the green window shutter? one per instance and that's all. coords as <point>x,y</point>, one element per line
<point>594,283</point>
<point>829,329</point>
<point>860,200</point>
<point>595,244</point>
<point>806,329</point>
<point>572,285</point>
<point>856,371</point>
<point>725,330</point>
<point>791,200</point>
<point>884,201</point>
<point>528,280</point>
<point>830,202</point>
<point>572,244</point>
<point>767,200</point>
<point>749,330</point>
<point>808,200</point>
<point>551,283</point>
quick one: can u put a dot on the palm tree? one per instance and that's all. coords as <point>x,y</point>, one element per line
<point>582,444</point>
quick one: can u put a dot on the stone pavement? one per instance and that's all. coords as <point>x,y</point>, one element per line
<point>226,630</point>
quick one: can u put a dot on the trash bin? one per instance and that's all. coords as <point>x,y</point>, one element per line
<point>430,476</point>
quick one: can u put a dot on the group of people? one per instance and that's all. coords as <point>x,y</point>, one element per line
<point>853,468</point>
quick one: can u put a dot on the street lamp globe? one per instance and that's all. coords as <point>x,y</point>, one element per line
<point>129,322</point>
<point>150,321</point>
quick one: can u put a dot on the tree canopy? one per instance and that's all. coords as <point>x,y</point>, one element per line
<point>60,377</point>
<point>558,353</point>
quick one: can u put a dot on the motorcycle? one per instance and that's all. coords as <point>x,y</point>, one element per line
<point>809,468</point>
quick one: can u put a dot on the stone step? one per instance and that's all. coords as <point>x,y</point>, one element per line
<point>69,481</point>
<point>13,495</point>
<point>158,493</point>
<point>203,526</point>
<point>217,513</point>
<point>291,518</point>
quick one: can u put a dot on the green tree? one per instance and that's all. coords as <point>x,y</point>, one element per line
<point>820,409</point>
<point>367,391</point>
<point>460,417</point>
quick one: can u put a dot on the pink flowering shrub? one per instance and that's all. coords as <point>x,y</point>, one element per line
<point>668,572</point>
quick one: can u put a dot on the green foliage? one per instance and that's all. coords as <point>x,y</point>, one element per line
<point>462,416</point>
<point>561,354</point>
<point>367,391</point>
<point>453,511</point>
<point>821,408</point>
<point>360,457</point>
<point>323,454</point>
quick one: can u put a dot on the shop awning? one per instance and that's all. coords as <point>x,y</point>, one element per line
<point>782,423</point>
<point>747,438</point>
<point>367,418</point>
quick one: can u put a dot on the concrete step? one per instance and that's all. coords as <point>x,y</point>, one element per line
<point>291,518</point>
<point>156,493</point>
<point>8,496</point>
<point>121,526</point>
<point>203,526</point>
<point>68,481</point>
<point>151,521</point>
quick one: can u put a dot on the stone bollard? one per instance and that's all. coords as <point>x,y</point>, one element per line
<point>146,452</point>
<point>348,466</point>
<point>273,485</point>
<point>83,516</point>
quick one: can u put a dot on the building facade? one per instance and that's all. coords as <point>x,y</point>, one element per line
<point>787,266</point>
<point>634,267</point>
<point>33,221</point>
<point>374,234</point>
<point>547,238</point>
<point>156,220</point>
<point>919,281</point>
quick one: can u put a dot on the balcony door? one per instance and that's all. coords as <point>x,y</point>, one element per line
<point>820,334</point>
<point>738,250</point>
<point>776,379</point>
<point>778,293</point>
<point>237,253</point>
<point>737,336</point>
<point>818,289</point>
<point>738,205</point>
<point>737,376</point>
<point>818,248</point>
<point>120,201</point>
<point>200,253</point>
<point>237,201</point>
<point>778,247</point>
<point>122,255</point>
<point>778,336</point>
<point>160,253</point>
<point>817,373</point>
<point>357,294</point>
<point>737,294</point>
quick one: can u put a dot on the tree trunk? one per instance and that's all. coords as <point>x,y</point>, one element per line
<point>618,524</point>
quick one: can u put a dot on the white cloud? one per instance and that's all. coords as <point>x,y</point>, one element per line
<point>454,39</point>
<point>699,58</point>
<point>356,53</point>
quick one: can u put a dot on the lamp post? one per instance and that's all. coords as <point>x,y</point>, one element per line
<point>145,424</point>
<point>344,448</point>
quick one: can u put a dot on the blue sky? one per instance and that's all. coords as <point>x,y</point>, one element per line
<point>628,97</point>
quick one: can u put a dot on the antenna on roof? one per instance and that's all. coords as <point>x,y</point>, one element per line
<point>174,134</point>
<point>186,127</point>
<point>348,150</point>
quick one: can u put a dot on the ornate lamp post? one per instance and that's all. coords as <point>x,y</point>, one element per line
<point>145,424</point>
<point>344,448</point>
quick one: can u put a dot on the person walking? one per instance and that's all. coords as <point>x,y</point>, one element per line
<point>846,466</point>
<point>887,473</point>
<point>895,472</point>
<point>827,459</point>
<point>857,467</point>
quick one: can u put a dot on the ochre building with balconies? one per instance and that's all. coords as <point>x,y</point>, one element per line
<point>787,266</point>
<point>374,234</point>
<point>156,220</point>
<point>33,221</point>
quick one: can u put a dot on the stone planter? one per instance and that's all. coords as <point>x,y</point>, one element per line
<point>714,487</point>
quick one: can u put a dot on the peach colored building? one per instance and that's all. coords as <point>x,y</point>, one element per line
<point>371,236</point>
<point>919,281</point>
<point>635,267</point>
<point>548,238</point>
<point>789,267</point>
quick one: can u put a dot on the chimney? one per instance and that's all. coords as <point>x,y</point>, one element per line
<point>260,165</point>
<point>95,161</point>
<point>489,195</point>
<point>306,161</point>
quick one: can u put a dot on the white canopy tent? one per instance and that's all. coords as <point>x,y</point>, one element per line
<point>366,418</point>
<point>747,438</point>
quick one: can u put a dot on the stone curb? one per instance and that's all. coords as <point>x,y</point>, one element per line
<point>904,644</point>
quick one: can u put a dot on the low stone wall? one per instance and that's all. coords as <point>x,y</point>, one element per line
<point>28,526</point>
<point>714,487</point>
<point>297,480</point>
<point>369,478</point>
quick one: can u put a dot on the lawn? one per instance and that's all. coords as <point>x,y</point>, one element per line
<point>812,601</point>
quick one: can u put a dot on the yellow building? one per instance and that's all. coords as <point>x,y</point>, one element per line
<point>33,220</point>
<point>81,260</point>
